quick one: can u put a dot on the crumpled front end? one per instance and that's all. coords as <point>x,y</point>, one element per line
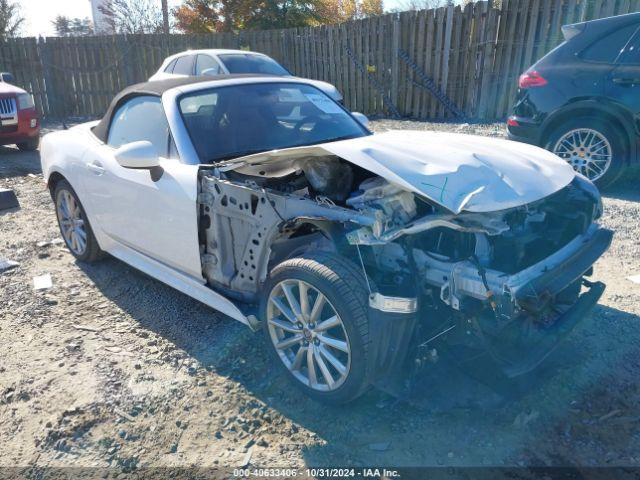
<point>507,277</point>
<point>511,283</point>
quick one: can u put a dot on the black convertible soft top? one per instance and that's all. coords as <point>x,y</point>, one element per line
<point>156,88</point>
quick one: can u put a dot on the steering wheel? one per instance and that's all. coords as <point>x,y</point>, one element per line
<point>303,121</point>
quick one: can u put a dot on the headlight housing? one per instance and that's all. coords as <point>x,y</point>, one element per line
<point>25,101</point>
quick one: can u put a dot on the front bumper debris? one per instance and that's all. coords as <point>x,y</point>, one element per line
<point>530,356</point>
<point>553,281</point>
<point>525,289</point>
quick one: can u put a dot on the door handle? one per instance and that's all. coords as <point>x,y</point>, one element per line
<point>627,81</point>
<point>95,168</point>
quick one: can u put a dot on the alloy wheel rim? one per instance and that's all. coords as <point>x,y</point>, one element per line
<point>71,222</point>
<point>586,150</point>
<point>308,335</point>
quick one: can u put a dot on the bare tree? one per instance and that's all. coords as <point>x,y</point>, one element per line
<point>133,16</point>
<point>11,19</point>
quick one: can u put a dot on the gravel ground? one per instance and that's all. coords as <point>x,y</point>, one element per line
<point>111,368</point>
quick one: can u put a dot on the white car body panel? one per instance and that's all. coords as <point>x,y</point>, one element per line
<point>459,172</point>
<point>165,225</point>
<point>61,152</point>
<point>326,87</point>
<point>166,233</point>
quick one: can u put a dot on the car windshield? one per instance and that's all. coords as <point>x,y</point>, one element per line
<point>229,122</point>
<point>251,63</point>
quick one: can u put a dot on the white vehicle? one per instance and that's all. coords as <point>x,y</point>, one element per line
<point>357,253</point>
<point>214,62</point>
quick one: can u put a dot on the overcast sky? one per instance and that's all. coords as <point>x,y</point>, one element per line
<point>40,13</point>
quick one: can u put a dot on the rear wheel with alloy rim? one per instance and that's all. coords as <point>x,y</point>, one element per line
<point>315,315</point>
<point>592,148</point>
<point>74,225</point>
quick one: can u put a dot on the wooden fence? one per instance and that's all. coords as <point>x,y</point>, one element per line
<point>472,54</point>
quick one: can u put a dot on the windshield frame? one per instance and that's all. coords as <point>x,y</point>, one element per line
<point>210,89</point>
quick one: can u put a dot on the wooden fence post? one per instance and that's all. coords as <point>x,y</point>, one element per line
<point>41,96</point>
<point>446,51</point>
<point>583,10</point>
<point>488,55</point>
<point>54,96</point>
<point>395,45</point>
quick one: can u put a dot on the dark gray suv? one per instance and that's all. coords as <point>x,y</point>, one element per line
<point>582,100</point>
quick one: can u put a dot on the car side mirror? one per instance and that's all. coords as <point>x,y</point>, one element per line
<point>361,118</point>
<point>7,77</point>
<point>138,155</point>
<point>210,72</point>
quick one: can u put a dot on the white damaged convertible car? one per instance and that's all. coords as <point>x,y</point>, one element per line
<point>359,254</point>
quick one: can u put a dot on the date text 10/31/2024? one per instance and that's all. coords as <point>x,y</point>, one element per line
<point>316,473</point>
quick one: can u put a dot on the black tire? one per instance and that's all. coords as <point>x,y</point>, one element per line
<point>616,141</point>
<point>92,251</point>
<point>30,145</point>
<point>344,286</point>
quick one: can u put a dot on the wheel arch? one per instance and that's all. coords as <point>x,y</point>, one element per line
<point>601,108</point>
<point>93,250</point>
<point>55,177</point>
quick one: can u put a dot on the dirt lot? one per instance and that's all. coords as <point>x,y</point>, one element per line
<point>112,368</point>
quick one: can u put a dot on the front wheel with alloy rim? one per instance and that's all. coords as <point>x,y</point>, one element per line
<point>74,225</point>
<point>592,148</point>
<point>315,319</point>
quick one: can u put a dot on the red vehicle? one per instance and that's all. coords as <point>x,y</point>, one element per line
<point>19,122</point>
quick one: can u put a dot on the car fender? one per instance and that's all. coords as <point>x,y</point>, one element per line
<point>63,152</point>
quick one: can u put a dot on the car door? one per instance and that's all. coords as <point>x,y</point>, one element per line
<point>150,211</point>
<point>591,76</point>
<point>624,82</point>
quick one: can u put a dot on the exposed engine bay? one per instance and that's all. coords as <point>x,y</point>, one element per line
<point>471,277</point>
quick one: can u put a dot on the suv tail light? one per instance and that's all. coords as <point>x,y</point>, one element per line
<point>531,79</point>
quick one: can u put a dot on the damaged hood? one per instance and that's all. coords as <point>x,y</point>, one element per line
<point>458,172</point>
